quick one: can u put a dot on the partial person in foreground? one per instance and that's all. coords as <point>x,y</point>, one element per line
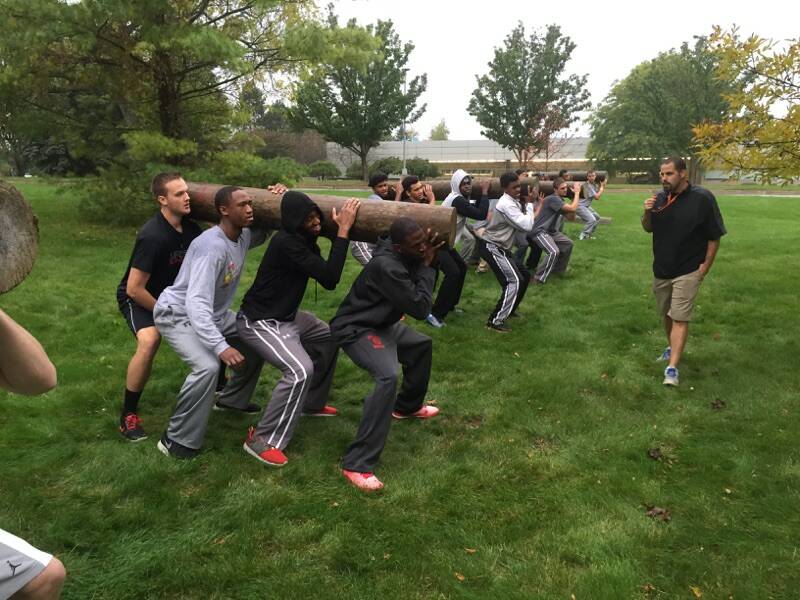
<point>295,341</point>
<point>25,572</point>
<point>194,316</point>
<point>687,226</point>
<point>509,217</point>
<point>398,280</point>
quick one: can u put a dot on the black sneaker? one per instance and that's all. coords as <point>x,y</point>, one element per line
<point>250,409</point>
<point>499,327</point>
<point>130,426</point>
<point>174,449</point>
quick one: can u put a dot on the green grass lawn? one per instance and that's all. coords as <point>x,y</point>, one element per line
<point>533,483</point>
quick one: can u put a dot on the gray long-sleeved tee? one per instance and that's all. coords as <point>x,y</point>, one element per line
<point>206,284</point>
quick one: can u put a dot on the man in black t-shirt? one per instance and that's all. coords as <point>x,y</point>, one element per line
<point>686,225</point>
<point>156,259</point>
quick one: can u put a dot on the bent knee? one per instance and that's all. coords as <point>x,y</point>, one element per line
<point>148,340</point>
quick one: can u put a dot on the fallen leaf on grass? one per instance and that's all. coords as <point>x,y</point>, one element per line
<point>648,588</point>
<point>470,550</point>
<point>698,593</point>
<point>516,354</point>
<point>718,404</point>
<point>459,576</point>
<point>655,453</point>
<point>431,401</point>
<point>656,512</point>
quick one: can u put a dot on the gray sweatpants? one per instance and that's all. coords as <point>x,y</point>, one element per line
<point>558,248</point>
<point>589,216</point>
<point>378,352</point>
<point>306,356</point>
<point>188,423</point>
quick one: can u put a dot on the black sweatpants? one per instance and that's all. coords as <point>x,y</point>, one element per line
<point>513,278</point>
<point>454,269</point>
<point>378,352</point>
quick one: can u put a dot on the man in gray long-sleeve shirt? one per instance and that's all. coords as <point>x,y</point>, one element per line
<point>194,316</point>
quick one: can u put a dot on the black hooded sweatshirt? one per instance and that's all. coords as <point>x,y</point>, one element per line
<point>389,286</point>
<point>291,258</point>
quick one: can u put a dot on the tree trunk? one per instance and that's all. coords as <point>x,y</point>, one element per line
<point>374,217</point>
<point>168,97</point>
<point>19,237</point>
<point>364,168</point>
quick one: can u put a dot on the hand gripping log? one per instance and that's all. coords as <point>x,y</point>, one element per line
<point>374,217</point>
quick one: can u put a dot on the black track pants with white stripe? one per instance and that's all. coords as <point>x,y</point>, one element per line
<point>306,356</point>
<point>512,276</point>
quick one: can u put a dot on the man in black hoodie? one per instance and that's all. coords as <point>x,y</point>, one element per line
<point>296,342</point>
<point>398,280</point>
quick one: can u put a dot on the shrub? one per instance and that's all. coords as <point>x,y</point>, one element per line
<point>422,168</point>
<point>121,192</point>
<point>323,169</point>
<point>389,165</point>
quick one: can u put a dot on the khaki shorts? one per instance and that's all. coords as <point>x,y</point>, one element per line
<point>675,297</point>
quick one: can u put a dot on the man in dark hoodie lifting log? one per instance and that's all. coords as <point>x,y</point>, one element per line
<point>398,280</point>
<point>294,341</point>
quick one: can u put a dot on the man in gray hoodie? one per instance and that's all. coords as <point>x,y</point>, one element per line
<point>194,316</point>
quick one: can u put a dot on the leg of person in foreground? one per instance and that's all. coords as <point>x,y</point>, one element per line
<point>25,368</point>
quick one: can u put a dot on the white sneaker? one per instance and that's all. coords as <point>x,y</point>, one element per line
<point>671,376</point>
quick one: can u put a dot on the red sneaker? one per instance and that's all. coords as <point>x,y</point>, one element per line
<point>363,481</point>
<point>426,412</point>
<point>266,454</point>
<point>325,411</point>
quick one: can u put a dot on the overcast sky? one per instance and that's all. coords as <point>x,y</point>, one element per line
<point>455,40</point>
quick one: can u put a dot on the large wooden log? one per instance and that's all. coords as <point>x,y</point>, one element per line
<point>374,216</point>
<point>442,188</point>
<point>19,237</point>
<point>573,175</point>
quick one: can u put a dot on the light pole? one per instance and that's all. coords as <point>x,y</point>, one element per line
<point>404,172</point>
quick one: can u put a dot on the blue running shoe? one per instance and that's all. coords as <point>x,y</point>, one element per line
<point>665,355</point>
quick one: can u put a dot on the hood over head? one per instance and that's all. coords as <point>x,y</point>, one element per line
<point>455,183</point>
<point>295,207</point>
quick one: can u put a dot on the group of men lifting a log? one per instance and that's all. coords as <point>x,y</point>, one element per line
<point>180,284</point>
<point>492,229</point>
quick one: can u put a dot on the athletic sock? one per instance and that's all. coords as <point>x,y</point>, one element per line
<point>131,401</point>
<point>221,378</point>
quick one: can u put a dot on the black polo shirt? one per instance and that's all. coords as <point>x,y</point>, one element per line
<point>159,251</point>
<point>682,230</point>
